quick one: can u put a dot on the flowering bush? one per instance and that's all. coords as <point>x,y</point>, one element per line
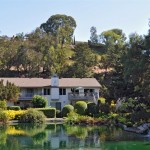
<point>13,114</point>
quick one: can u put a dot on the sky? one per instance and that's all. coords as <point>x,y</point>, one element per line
<point>17,16</point>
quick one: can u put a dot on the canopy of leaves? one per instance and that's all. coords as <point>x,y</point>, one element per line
<point>9,92</point>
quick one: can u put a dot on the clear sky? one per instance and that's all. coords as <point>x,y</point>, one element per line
<point>17,16</point>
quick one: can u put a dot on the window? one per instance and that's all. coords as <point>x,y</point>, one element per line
<point>46,91</point>
<point>62,91</point>
<point>30,91</point>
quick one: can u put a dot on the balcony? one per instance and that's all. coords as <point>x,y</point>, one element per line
<point>28,96</point>
<point>82,96</point>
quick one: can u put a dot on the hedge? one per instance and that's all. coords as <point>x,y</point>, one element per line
<point>67,109</point>
<point>13,108</point>
<point>92,109</point>
<point>80,107</point>
<point>48,112</point>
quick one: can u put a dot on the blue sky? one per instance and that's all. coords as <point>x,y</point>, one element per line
<point>18,16</point>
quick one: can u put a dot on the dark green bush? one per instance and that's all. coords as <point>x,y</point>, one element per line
<point>104,108</point>
<point>58,114</point>
<point>13,108</point>
<point>3,104</point>
<point>32,116</point>
<point>48,112</point>
<point>39,101</point>
<point>91,109</point>
<point>141,115</point>
<point>67,109</point>
<point>80,107</point>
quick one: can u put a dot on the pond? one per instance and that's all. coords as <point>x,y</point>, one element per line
<point>56,136</point>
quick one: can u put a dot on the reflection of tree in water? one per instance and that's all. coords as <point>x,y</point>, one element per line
<point>3,136</point>
<point>11,144</point>
<point>62,137</point>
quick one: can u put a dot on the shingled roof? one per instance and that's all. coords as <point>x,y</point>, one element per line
<point>63,82</point>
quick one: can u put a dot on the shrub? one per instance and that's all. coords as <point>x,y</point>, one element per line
<point>58,114</point>
<point>105,108</point>
<point>141,115</point>
<point>80,107</point>
<point>13,108</point>
<point>13,114</point>
<point>3,117</point>
<point>102,100</point>
<point>3,105</point>
<point>32,116</point>
<point>39,101</point>
<point>67,109</point>
<point>48,112</point>
<point>91,109</point>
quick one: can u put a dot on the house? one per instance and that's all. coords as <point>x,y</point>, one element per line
<point>59,92</point>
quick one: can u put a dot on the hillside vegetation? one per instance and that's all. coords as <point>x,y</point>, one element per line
<point>124,65</point>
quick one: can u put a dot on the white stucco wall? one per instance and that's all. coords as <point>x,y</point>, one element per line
<point>54,93</point>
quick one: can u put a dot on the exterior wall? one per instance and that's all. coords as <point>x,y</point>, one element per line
<point>55,93</point>
<point>54,96</point>
<point>48,98</point>
<point>64,98</point>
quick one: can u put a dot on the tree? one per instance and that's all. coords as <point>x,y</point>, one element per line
<point>114,41</point>
<point>94,36</point>
<point>9,92</point>
<point>137,66</point>
<point>84,60</point>
<point>60,26</point>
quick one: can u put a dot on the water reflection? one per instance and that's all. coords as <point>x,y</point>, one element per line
<point>52,137</point>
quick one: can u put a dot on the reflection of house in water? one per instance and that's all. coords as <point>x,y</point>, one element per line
<point>54,137</point>
<point>60,140</point>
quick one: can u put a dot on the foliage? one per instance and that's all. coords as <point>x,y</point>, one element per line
<point>91,109</point>
<point>3,117</point>
<point>48,50</point>
<point>132,105</point>
<point>14,114</point>
<point>3,105</point>
<point>80,107</point>
<point>84,60</point>
<point>94,36</point>
<point>102,100</point>
<point>62,26</point>
<point>67,109</point>
<point>13,108</point>
<point>58,114</point>
<point>9,92</point>
<point>139,116</point>
<point>39,101</point>
<point>32,116</point>
<point>48,112</point>
<point>72,117</point>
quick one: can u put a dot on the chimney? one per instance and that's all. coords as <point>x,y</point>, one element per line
<point>54,81</point>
